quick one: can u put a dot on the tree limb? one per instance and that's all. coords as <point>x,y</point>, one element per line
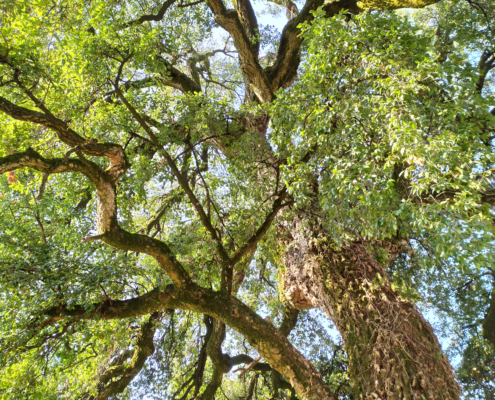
<point>143,349</point>
<point>151,17</point>
<point>33,159</point>
<point>284,70</point>
<point>262,335</point>
<point>485,65</point>
<point>252,242</point>
<point>489,321</point>
<point>250,66</point>
<point>183,182</point>
<point>114,152</point>
<point>178,79</point>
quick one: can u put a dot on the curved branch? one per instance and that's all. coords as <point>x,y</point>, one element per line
<point>152,17</point>
<point>115,153</point>
<point>143,349</point>
<point>250,66</point>
<point>32,159</point>
<point>268,340</point>
<point>160,14</point>
<point>110,231</point>
<point>154,300</point>
<point>284,70</point>
<point>262,335</point>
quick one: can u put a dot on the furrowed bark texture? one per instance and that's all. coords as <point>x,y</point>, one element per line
<point>393,352</point>
<point>489,321</point>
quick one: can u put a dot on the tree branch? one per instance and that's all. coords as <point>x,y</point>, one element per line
<point>250,66</point>
<point>252,242</point>
<point>183,182</point>
<point>178,79</point>
<point>284,70</point>
<point>143,349</point>
<point>216,337</point>
<point>291,8</point>
<point>262,335</point>
<point>114,152</point>
<point>151,17</point>
<point>154,300</point>
<point>248,19</point>
<point>485,65</point>
<point>489,321</point>
<point>33,159</point>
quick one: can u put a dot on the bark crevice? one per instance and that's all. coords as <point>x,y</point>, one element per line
<point>393,351</point>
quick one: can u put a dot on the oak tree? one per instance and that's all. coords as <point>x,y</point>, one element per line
<point>183,186</point>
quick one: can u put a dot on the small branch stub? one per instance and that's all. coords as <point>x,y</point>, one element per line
<point>88,239</point>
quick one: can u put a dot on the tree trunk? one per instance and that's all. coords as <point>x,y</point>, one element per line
<point>393,352</point>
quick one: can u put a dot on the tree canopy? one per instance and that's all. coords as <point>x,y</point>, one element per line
<point>194,201</point>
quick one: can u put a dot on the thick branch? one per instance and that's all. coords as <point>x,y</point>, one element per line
<point>248,18</point>
<point>110,231</point>
<point>250,66</point>
<point>177,79</point>
<point>155,300</point>
<point>245,359</point>
<point>262,335</point>
<point>284,70</point>
<point>114,152</point>
<point>289,321</point>
<point>143,348</point>
<point>33,159</point>
<point>485,65</point>
<point>223,363</point>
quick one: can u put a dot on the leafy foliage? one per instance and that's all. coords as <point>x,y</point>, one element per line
<point>386,135</point>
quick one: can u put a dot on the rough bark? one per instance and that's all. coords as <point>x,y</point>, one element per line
<point>393,351</point>
<point>249,63</point>
<point>270,342</point>
<point>489,321</point>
